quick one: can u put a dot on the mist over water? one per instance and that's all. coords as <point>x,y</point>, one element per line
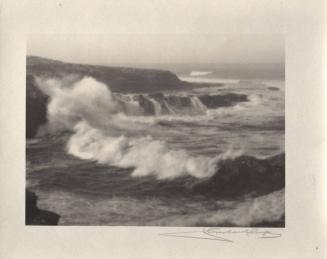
<point>118,145</point>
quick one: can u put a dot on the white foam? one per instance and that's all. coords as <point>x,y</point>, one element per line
<point>156,105</point>
<point>146,155</point>
<point>209,80</point>
<point>200,73</point>
<point>89,109</point>
<point>197,104</point>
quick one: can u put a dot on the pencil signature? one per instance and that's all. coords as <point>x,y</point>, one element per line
<point>223,234</point>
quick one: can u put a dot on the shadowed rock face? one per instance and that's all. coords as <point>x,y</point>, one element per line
<point>35,216</point>
<point>273,88</point>
<point>147,105</point>
<point>216,101</point>
<point>245,175</point>
<point>169,104</point>
<point>120,79</point>
<point>36,107</point>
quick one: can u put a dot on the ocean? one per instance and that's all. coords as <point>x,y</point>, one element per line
<point>160,159</point>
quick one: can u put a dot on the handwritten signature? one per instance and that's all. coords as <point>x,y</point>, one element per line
<point>221,234</point>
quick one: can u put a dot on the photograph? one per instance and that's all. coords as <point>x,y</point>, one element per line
<point>179,130</point>
<point>163,129</point>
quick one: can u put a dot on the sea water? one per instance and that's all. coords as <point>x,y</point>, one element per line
<point>102,160</point>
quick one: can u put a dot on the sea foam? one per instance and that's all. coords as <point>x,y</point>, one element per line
<point>89,109</point>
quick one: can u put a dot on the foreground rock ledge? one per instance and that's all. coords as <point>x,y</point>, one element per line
<point>35,216</point>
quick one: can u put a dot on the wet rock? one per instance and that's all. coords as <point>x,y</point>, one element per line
<point>245,175</point>
<point>35,216</point>
<point>226,100</point>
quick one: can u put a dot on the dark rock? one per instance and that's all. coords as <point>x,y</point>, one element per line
<point>36,107</point>
<point>119,79</point>
<point>216,101</point>
<point>169,102</point>
<point>237,178</point>
<point>179,101</point>
<point>35,216</point>
<point>147,105</point>
<point>273,88</point>
<point>245,175</point>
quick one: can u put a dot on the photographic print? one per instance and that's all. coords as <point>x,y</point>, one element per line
<point>155,130</point>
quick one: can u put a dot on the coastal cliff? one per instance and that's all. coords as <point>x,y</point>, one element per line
<point>120,79</point>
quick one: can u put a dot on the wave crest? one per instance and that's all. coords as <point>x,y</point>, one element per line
<point>91,111</point>
<point>200,73</point>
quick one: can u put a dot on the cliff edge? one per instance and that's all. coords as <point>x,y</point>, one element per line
<point>120,79</point>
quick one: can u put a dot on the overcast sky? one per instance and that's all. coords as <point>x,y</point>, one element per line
<point>159,48</point>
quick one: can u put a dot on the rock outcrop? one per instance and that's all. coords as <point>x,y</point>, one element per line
<point>241,177</point>
<point>273,88</point>
<point>216,101</point>
<point>36,107</point>
<point>35,216</point>
<point>120,79</point>
<point>245,175</point>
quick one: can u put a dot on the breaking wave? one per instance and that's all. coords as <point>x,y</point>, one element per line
<point>193,79</point>
<point>177,104</point>
<point>89,109</point>
<point>200,73</point>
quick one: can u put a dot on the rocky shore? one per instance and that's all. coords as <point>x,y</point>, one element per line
<point>120,80</point>
<point>35,216</point>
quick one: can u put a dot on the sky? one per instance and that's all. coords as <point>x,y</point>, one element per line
<point>158,48</point>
